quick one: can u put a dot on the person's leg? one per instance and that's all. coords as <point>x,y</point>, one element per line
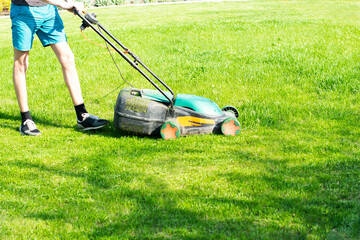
<point>21,63</point>
<point>51,33</point>
<point>67,61</point>
<point>65,56</point>
<point>23,26</point>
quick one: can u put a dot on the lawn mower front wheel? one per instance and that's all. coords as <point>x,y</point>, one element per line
<point>170,130</point>
<point>230,127</point>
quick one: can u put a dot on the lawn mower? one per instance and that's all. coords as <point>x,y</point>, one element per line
<point>156,112</point>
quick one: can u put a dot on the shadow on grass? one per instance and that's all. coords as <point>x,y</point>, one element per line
<point>159,215</point>
<point>155,212</point>
<point>107,131</point>
<point>162,213</point>
<point>11,118</point>
<point>17,119</point>
<point>156,218</point>
<point>287,199</point>
<point>111,132</point>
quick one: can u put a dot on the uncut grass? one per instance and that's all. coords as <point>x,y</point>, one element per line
<point>291,68</point>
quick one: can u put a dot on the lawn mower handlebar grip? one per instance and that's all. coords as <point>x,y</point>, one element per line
<point>76,12</point>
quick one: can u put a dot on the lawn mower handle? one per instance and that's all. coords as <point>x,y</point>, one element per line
<point>90,19</point>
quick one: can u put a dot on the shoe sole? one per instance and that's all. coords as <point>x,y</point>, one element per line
<point>81,128</point>
<point>26,134</point>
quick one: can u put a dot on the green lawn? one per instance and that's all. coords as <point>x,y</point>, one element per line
<point>292,68</point>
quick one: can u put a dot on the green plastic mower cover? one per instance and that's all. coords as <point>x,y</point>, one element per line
<point>196,103</point>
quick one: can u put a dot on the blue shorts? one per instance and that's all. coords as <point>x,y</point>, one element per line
<point>43,21</point>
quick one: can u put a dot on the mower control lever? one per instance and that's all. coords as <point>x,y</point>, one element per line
<point>91,17</point>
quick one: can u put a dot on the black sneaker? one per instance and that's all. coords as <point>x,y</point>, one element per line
<point>29,128</point>
<point>91,122</point>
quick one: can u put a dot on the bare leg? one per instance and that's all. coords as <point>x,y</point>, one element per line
<point>71,78</point>
<point>67,61</point>
<point>21,63</point>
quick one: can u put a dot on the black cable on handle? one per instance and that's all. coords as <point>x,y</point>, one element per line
<point>137,59</point>
<point>90,19</point>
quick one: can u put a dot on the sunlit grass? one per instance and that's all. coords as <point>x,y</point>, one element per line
<point>292,68</point>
